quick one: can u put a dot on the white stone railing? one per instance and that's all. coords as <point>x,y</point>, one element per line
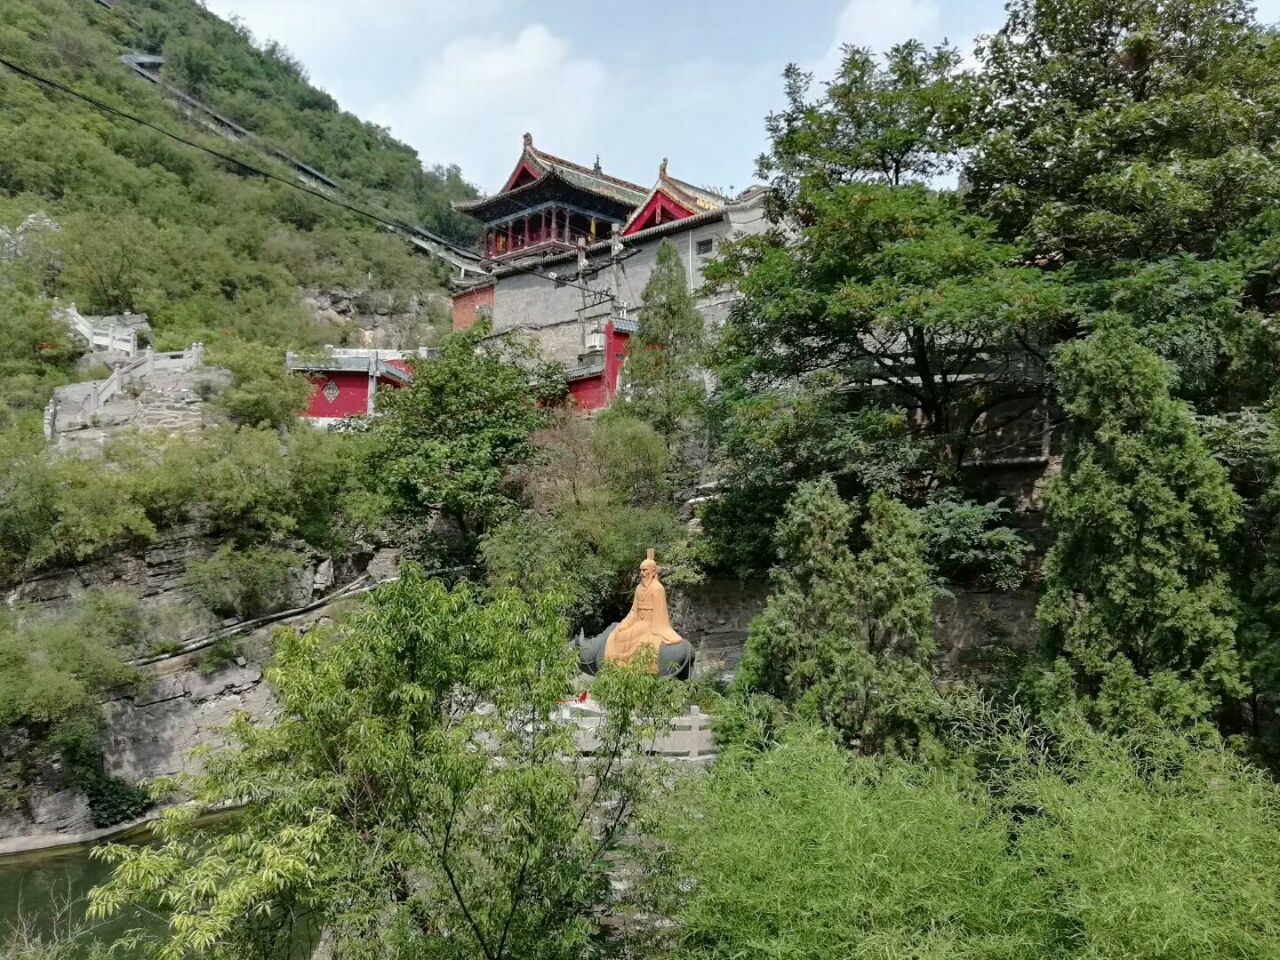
<point>111,337</point>
<point>100,392</point>
<point>688,737</point>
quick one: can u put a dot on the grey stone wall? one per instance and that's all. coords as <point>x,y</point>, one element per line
<point>551,314</point>
<point>715,617</point>
<point>972,628</point>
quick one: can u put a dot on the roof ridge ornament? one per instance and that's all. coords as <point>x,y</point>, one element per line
<point>528,141</point>
<point>662,169</point>
<point>598,168</point>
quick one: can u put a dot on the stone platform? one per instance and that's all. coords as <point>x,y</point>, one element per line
<point>689,736</point>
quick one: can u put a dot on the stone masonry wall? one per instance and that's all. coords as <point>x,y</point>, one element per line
<point>970,626</point>
<point>550,313</point>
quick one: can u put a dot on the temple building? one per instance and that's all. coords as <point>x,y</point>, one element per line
<point>347,381</point>
<point>571,248</point>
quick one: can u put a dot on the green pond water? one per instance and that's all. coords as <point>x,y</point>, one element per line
<point>48,893</point>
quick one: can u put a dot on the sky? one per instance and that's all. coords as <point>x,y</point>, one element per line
<point>690,80</point>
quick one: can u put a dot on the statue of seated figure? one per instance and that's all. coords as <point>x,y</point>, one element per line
<point>646,627</point>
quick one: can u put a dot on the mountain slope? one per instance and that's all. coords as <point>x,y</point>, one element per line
<point>147,224</point>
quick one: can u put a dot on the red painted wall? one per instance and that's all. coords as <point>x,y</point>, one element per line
<point>352,399</point>
<point>595,393</point>
<point>589,394</point>
<point>465,304</point>
<point>353,392</point>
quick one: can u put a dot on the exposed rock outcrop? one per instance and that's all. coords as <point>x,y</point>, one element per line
<point>172,401</point>
<point>378,318</point>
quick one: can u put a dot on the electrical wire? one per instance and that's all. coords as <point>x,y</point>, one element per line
<point>398,226</point>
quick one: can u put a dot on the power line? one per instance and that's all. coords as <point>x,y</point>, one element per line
<point>248,167</point>
<point>398,226</point>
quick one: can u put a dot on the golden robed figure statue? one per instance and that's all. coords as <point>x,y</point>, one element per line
<point>646,627</point>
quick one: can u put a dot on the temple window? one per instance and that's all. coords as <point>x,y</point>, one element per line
<point>703,247</point>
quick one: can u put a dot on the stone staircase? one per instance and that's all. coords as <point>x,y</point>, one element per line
<point>154,391</point>
<point>110,334</point>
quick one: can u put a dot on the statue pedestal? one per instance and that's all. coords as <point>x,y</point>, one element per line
<point>688,738</point>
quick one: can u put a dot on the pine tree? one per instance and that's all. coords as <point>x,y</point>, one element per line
<point>663,357</point>
<point>848,636</point>
<point>1137,595</point>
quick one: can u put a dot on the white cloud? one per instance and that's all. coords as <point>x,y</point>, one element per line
<point>879,24</point>
<point>473,101</point>
<point>312,27</point>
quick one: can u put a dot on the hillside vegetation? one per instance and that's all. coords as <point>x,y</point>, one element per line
<point>1059,379</point>
<point>148,224</point>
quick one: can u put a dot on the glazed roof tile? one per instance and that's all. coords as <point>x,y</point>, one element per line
<point>590,179</point>
<point>585,371</point>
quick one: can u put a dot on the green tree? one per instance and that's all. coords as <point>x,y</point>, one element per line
<point>875,123</point>
<point>1136,589</point>
<point>847,637</point>
<point>596,496</point>
<point>903,297</point>
<point>445,442</point>
<point>772,438</point>
<point>663,358</point>
<point>1131,130</point>
<point>971,544</point>
<point>1064,842</point>
<point>262,391</point>
<point>417,792</point>
<point>55,667</point>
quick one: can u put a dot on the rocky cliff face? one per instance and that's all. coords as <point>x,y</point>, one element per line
<point>380,319</point>
<point>158,576</point>
<point>185,700</point>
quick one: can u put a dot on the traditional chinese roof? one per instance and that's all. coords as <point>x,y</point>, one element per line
<point>536,170</point>
<point>385,364</point>
<point>585,371</point>
<point>670,200</point>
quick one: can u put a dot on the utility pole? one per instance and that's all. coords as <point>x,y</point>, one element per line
<point>582,274</point>
<point>615,258</point>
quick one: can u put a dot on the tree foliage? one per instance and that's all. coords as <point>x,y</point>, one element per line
<point>418,792</point>
<point>249,484</point>
<point>596,495</point>
<point>1113,132</point>
<point>446,441</point>
<point>847,637</point>
<point>896,289</point>
<point>1137,593</point>
<point>663,371</point>
<point>885,123</point>
<point>53,668</point>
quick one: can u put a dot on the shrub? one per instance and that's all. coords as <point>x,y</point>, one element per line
<point>216,657</point>
<point>970,543</point>
<point>111,800</point>
<point>243,583</point>
<point>262,392</point>
<point>1097,848</point>
<point>846,638</point>
<point>53,668</point>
